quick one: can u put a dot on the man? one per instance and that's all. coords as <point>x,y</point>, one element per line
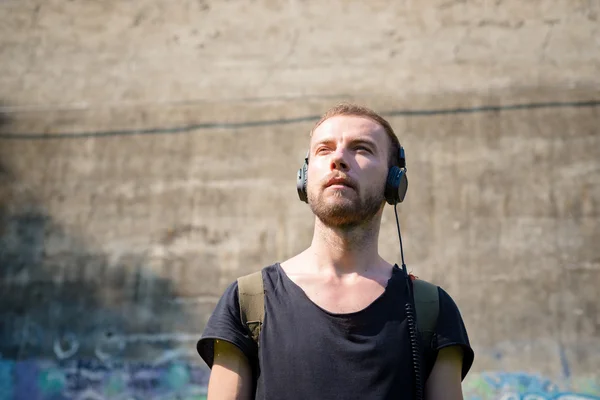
<point>335,325</point>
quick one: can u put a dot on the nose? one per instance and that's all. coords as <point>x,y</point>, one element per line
<point>338,162</point>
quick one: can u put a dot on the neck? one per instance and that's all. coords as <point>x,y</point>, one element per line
<point>346,250</point>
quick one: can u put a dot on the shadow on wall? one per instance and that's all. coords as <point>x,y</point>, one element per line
<point>72,322</point>
<point>52,300</point>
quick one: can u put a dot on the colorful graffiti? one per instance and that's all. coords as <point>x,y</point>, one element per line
<point>522,386</point>
<point>93,380</point>
<point>180,380</point>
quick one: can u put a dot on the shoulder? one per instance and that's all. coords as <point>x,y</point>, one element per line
<point>451,329</point>
<point>225,323</point>
<point>447,302</point>
<point>270,275</point>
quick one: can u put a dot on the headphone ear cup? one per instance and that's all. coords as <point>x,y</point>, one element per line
<point>396,185</point>
<point>301,182</point>
<point>402,187</point>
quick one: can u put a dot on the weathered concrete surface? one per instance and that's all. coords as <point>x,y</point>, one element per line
<point>148,154</point>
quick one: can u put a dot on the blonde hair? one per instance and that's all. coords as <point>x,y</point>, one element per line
<point>361,111</point>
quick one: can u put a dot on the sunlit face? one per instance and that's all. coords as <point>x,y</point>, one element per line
<point>347,170</point>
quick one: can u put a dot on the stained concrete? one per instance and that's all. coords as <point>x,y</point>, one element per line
<point>148,153</point>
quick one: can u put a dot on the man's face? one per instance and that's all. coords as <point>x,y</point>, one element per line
<point>347,170</point>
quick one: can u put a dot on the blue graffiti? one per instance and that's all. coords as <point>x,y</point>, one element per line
<point>173,378</point>
<point>93,380</point>
<point>523,386</point>
<point>6,380</point>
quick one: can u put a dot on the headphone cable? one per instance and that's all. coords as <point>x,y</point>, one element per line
<point>400,238</point>
<point>411,320</point>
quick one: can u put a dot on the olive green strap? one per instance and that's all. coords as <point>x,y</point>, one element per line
<point>427,306</point>
<point>251,295</point>
<point>252,305</point>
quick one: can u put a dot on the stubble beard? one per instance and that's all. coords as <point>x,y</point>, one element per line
<point>340,211</point>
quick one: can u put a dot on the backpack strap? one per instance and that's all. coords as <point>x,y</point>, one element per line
<point>427,305</point>
<point>251,294</point>
<point>252,306</point>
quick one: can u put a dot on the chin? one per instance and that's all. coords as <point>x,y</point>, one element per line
<point>344,210</point>
<point>339,205</point>
<point>337,212</point>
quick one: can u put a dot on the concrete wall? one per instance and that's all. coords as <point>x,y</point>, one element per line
<point>148,153</point>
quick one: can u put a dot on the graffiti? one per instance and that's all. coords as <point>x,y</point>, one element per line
<point>522,386</point>
<point>171,378</point>
<point>66,346</point>
<point>31,334</point>
<point>93,380</point>
<point>109,346</point>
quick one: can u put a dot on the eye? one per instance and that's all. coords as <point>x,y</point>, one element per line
<point>362,148</point>
<point>321,150</point>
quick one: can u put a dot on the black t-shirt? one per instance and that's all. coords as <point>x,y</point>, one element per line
<point>309,353</point>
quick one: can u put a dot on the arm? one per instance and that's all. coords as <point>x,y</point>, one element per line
<point>231,375</point>
<point>445,379</point>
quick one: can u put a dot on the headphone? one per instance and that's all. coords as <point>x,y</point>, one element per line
<point>395,187</point>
